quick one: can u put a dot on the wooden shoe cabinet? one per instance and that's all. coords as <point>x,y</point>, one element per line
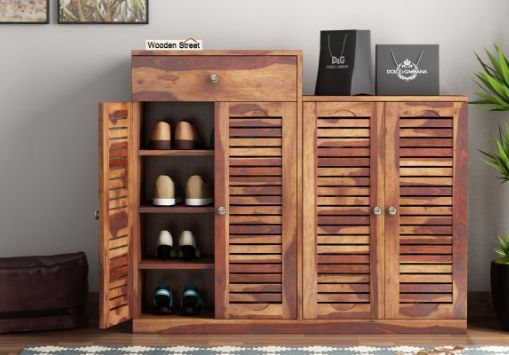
<point>330,214</point>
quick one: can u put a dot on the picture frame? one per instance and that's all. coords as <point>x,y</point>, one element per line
<point>66,12</point>
<point>45,21</point>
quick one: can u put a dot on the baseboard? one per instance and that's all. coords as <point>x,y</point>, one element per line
<point>480,305</point>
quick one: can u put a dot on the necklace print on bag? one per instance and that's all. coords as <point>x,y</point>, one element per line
<point>337,62</point>
<point>407,70</point>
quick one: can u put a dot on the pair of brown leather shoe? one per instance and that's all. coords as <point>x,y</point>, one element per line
<point>185,136</point>
<point>198,192</point>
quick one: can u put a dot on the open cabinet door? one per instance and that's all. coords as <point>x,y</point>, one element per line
<point>115,217</point>
<point>256,191</point>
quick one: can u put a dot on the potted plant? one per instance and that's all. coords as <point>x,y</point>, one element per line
<point>494,95</point>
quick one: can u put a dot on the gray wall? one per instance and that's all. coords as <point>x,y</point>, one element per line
<point>53,76</point>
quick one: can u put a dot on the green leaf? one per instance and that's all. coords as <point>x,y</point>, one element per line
<point>504,67</point>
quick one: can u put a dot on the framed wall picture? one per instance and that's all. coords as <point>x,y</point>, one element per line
<point>24,11</point>
<point>102,11</point>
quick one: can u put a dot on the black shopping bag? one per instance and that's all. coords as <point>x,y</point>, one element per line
<point>345,63</point>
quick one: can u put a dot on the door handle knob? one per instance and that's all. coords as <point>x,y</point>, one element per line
<point>221,211</point>
<point>96,215</point>
<point>214,78</point>
<point>377,211</point>
<point>392,211</point>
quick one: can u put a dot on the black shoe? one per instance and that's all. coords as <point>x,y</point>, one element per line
<point>164,300</point>
<point>190,302</point>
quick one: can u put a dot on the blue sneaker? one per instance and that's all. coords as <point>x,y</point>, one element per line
<point>191,302</point>
<point>164,300</point>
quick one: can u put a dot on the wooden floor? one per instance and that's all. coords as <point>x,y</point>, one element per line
<point>483,330</point>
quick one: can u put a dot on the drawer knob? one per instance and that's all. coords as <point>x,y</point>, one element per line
<point>392,211</point>
<point>221,211</point>
<point>377,211</point>
<point>96,215</point>
<point>214,78</point>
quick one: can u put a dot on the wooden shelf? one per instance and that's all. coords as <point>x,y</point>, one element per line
<point>204,263</point>
<point>207,313</point>
<point>176,209</point>
<point>176,153</point>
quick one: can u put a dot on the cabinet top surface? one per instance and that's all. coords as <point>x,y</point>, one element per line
<point>217,52</point>
<point>444,98</point>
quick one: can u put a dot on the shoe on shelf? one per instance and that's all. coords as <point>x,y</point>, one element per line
<point>160,137</point>
<point>164,192</point>
<point>190,301</point>
<point>163,300</point>
<point>198,192</point>
<point>165,248</point>
<point>186,136</point>
<point>187,246</point>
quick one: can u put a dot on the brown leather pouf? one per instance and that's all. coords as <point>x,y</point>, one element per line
<point>43,292</point>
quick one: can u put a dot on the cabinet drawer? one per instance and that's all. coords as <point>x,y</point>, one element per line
<point>191,78</point>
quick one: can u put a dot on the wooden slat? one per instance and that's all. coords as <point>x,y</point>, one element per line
<point>343,269</point>
<point>426,278</point>
<point>411,220</point>
<point>255,132</point>
<point>255,249</point>
<point>426,269</point>
<point>425,211</point>
<point>253,239</point>
<point>343,210</point>
<point>343,220</point>
<point>426,297</point>
<point>343,181</point>
<point>338,162</point>
<point>343,201</point>
<point>426,201</point>
<point>255,229</point>
<point>255,142</point>
<point>343,230</point>
<point>426,132</point>
<point>353,258</point>
<point>426,191</point>
<point>255,269</point>
<point>343,152</point>
<point>259,152</point>
<point>255,278</point>
<point>248,288</point>
<point>425,122</point>
<point>426,239</point>
<point>249,219</point>
<point>428,152</point>
<point>427,171</point>
<point>425,288</point>
<point>342,239</point>
<point>425,249</point>
<point>255,200</point>
<point>343,171</point>
<point>246,122</point>
<point>343,288</point>
<point>425,142</point>
<point>344,278</point>
<point>343,142</point>
<point>255,171</point>
<point>343,132</point>
<point>343,249</point>
<point>254,258</point>
<point>343,191</point>
<point>255,297</point>
<point>256,210</point>
<point>425,258</point>
<point>255,190</point>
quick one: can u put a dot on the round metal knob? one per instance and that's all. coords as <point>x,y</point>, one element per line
<point>377,211</point>
<point>392,211</point>
<point>214,78</point>
<point>221,211</point>
<point>96,215</point>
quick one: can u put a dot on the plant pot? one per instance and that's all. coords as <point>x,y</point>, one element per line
<point>500,292</point>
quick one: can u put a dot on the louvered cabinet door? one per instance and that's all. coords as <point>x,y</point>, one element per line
<point>256,243</point>
<point>343,172</point>
<point>115,219</point>
<point>425,236</point>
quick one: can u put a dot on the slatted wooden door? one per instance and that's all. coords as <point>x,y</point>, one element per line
<point>115,220</point>
<point>425,236</point>
<point>343,172</point>
<point>256,242</point>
